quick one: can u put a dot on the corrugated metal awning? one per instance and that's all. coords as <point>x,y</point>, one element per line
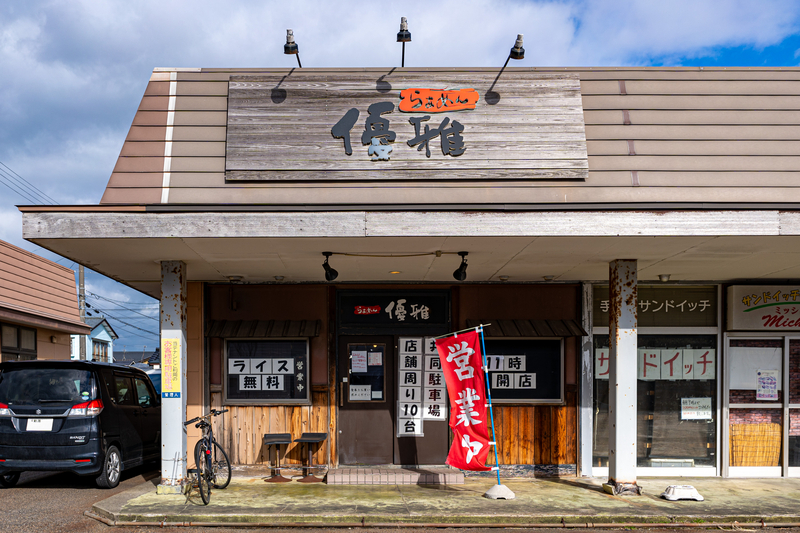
<point>263,328</point>
<point>529,328</point>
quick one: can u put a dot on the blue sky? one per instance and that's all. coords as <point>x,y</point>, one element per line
<point>72,73</point>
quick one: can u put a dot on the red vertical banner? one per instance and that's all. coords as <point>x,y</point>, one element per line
<point>462,364</point>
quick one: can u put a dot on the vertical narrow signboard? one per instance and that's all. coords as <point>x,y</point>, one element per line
<point>170,368</point>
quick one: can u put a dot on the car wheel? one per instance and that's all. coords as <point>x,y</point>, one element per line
<point>9,480</point>
<point>112,468</point>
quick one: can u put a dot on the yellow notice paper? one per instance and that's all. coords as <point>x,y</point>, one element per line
<point>170,368</point>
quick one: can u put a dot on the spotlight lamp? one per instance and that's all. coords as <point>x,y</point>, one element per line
<point>518,52</point>
<point>403,36</point>
<point>330,273</point>
<point>460,273</point>
<point>290,48</point>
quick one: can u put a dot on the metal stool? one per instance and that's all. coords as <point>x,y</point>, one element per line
<point>309,439</point>
<point>277,439</point>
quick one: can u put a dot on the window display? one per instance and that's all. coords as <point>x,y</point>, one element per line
<point>676,401</point>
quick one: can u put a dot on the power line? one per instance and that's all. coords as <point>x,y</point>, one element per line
<point>120,301</point>
<point>11,185</point>
<point>32,186</point>
<point>102,309</point>
<point>121,306</point>
<point>131,325</point>
<point>133,334</point>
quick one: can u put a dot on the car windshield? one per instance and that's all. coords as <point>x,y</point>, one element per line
<point>21,386</point>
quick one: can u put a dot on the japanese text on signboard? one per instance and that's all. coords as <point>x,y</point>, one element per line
<point>171,368</point>
<point>267,371</point>
<point>421,386</point>
<point>380,138</point>
<point>664,364</point>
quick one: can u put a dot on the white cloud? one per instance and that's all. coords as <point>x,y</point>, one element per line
<point>11,226</point>
<point>636,32</point>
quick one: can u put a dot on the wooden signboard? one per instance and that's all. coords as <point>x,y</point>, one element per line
<point>424,125</point>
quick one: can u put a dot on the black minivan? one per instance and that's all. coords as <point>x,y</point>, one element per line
<point>93,419</point>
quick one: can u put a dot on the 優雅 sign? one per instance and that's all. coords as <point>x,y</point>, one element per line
<point>356,125</point>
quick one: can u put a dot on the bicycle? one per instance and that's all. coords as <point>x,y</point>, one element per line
<point>212,464</point>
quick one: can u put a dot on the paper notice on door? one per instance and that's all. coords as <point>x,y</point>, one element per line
<point>360,393</point>
<point>358,361</point>
<point>375,359</point>
<point>696,409</point>
<point>767,384</point>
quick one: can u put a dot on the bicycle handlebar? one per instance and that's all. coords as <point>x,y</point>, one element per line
<point>213,412</point>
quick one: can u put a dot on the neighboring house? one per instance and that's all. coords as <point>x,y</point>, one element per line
<point>99,343</point>
<point>38,306</point>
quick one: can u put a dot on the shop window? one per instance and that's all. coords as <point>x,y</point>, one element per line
<point>756,371</point>
<point>267,372</point>
<point>676,401</point>
<point>17,343</point>
<point>526,370</point>
<point>756,378</point>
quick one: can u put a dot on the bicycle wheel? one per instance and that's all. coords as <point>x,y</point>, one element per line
<point>203,473</point>
<point>220,467</point>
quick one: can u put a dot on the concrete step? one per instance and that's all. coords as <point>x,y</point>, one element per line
<point>394,476</point>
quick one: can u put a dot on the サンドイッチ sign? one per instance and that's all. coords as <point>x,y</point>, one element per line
<point>767,307</point>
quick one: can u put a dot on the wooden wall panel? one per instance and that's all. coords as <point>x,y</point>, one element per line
<point>241,430</point>
<point>541,434</point>
<point>525,434</point>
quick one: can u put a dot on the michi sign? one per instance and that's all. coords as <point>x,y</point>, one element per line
<point>764,307</point>
<point>380,138</point>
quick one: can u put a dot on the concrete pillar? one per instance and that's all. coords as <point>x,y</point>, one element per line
<point>622,377</point>
<point>173,377</point>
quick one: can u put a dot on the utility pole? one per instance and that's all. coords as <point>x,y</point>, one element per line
<point>82,307</point>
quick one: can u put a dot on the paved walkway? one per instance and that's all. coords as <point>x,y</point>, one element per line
<point>538,501</point>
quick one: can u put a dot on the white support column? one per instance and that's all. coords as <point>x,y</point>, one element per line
<point>622,377</point>
<point>173,377</point>
<point>586,405</point>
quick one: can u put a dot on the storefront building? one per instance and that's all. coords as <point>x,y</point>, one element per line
<point>309,231</point>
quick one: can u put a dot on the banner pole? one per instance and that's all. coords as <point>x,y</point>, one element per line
<point>489,397</point>
<point>461,331</point>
